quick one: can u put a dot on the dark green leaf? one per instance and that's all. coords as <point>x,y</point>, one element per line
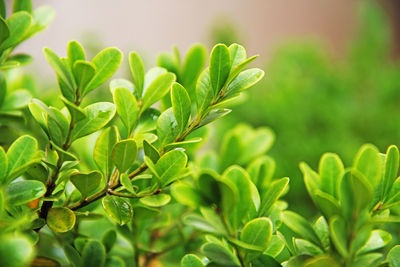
<point>22,5</point>
<point>300,226</point>
<point>220,254</point>
<point>150,151</point>
<point>124,154</point>
<point>109,238</point>
<point>76,112</point>
<point>93,254</point>
<point>118,209</point>
<point>86,183</point>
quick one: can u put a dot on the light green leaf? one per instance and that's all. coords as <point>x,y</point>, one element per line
<point>42,16</point>
<point>330,170</point>
<point>103,149</point>
<point>118,209</point>
<point>394,256</point>
<point>271,195</point>
<point>98,115</point>
<point>116,83</point>
<point>127,107</point>
<point>21,152</point>
<point>22,5</point>
<point>257,232</point>
<point>3,83</point>
<point>75,52</point>
<point>339,235</point>
<point>18,25</point>
<point>93,254</point>
<point>157,89</point>
<point>127,183</point>
<point>301,226</point>
<point>238,55</point>
<point>136,65</point>
<point>368,162</point>
<point>150,151</point>
<point>124,154</point>
<point>194,62</point>
<point>157,200</point>
<point>378,239</point>
<point>61,219</point>
<point>167,127</point>
<point>244,80</point>
<point>186,194</point>
<point>83,72</point>
<point>22,192</point>
<point>204,91</point>
<point>86,183</point>
<point>17,99</point>
<point>261,171</point>
<point>304,247</point>
<point>170,165</point>
<point>16,251</point>
<point>326,203</point>
<point>76,112</point>
<point>220,66</point>
<point>107,62</point>
<point>59,68</point>
<point>181,105</point>
<point>214,115</point>
<point>191,260</point>
<point>391,168</point>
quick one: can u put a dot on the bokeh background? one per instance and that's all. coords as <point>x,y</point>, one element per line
<point>332,73</point>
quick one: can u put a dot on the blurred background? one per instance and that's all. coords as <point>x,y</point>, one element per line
<point>332,73</point>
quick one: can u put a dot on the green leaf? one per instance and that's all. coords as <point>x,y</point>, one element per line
<point>378,239</point>
<point>326,203</point>
<point>18,25</point>
<point>191,260</point>
<point>127,107</point>
<point>118,209</point>
<point>170,165</point>
<point>150,151</point>
<point>157,200</point>
<point>22,59</point>
<point>136,65</point>
<point>42,16</point>
<point>214,115</point>
<point>59,68</point>
<point>271,195</point>
<point>167,127</point>
<point>245,205</point>
<point>22,5</point>
<point>73,256</point>
<point>93,254</point>
<point>86,183</point>
<point>109,238</point>
<point>391,168</point>
<point>394,256</point>
<point>83,72</point>
<point>301,226</point>
<point>330,170</point>
<point>220,66</point>
<point>245,80</point>
<point>157,89</point>
<point>127,183</point>
<point>204,91</point>
<point>61,219</point>
<point>15,251</point>
<point>22,192</point>
<point>3,10</point>
<point>103,150</point>
<point>4,31</point>
<point>238,55</point>
<point>276,245</point>
<point>124,154</point>
<point>186,194</point>
<point>368,162</point>
<point>181,105</point>
<point>304,247</point>
<point>261,171</point>
<point>257,232</point>
<point>339,235</point>
<point>116,83</point>
<point>17,99</point>
<point>21,153</point>
<point>75,52</point>
<point>76,112</point>
<point>3,165</point>
<point>355,193</point>
<point>107,62</point>
<point>3,85</point>
<point>219,254</point>
<point>194,62</point>
<point>98,115</point>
